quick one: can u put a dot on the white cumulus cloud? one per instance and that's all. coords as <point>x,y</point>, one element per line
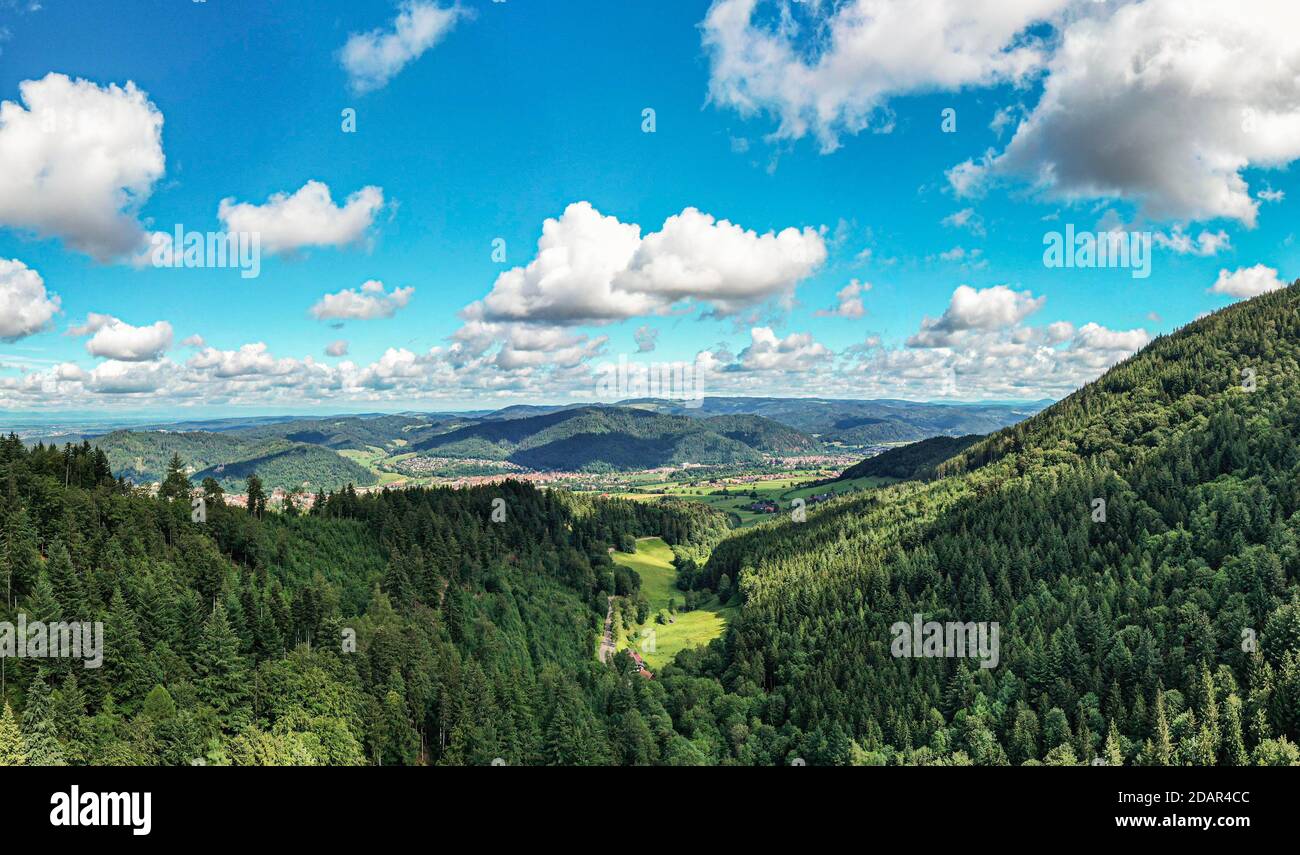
<point>828,69</point>
<point>111,338</point>
<point>372,59</point>
<point>1246,282</point>
<point>795,352</point>
<point>594,268</point>
<point>970,309</point>
<point>1164,103</point>
<point>848,302</point>
<point>306,218</point>
<point>25,307</point>
<point>368,302</point>
<point>78,162</point>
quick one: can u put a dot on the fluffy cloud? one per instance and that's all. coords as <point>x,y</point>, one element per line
<point>966,218</point>
<point>848,302</point>
<point>368,303</point>
<point>993,355</point>
<point>111,338</point>
<point>1246,282</point>
<point>976,310</point>
<point>1165,103</point>
<point>593,268</point>
<point>251,360</point>
<point>79,161</point>
<point>646,337</point>
<point>971,257</point>
<point>829,72</point>
<point>795,352</point>
<point>1205,244</point>
<point>25,307</point>
<point>534,347</point>
<point>306,218</point>
<point>337,348</point>
<point>392,369</point>
<point>372,59</point>
<point>123,378</point>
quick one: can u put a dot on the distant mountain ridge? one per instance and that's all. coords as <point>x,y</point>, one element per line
<point>916,460</point>
<point>142,457</point>
<point>860,422</point>
<point>611,438</point>
<point>639,434</point>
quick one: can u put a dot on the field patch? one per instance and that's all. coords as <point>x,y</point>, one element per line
<point>653,562</point>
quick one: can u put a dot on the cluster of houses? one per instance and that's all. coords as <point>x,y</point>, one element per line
<point>640,665</point>
<point>768,506</point>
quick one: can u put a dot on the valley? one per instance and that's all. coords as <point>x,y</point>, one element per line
<point>641,448</point>
<point>747,632</point>
<point>668,626</point>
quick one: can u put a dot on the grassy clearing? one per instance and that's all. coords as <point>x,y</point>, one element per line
<point>371,458</point>
<point>653,562</point>
<point>739,497</point>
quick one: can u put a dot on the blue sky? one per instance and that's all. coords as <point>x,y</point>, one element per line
<point>518,110</point>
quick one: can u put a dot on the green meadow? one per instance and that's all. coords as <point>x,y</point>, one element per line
<point>653,561</point>
<point>739,497</point>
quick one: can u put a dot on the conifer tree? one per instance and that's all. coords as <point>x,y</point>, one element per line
<point>1163,748</point>
<point>176,485</point>
<point>66,584</point>
<point>221,672</point>
<point>19,557</point>
<point>40,732</point>
<point>1113,752</point>
<point>13,748</point>
<point>126,667</point>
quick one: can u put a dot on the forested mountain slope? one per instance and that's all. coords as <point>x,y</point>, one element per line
<point>436,626</point>
<point>613,438</point>
<point>912,461</point>
<point>230,457</point>
<point>857,422</point>
<point>1166,631</point>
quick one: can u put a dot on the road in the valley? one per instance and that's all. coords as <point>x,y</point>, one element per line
<point>607,642</point>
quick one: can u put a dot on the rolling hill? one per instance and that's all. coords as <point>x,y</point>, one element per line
<point>858,423</point>
<point>910,462</point>
<point>1137,544</point>
<point>354,432</point>
<point>142,457</point>
<point>609,438</point>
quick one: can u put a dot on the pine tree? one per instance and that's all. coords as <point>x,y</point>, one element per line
<point>70,720</point>
<point>126,668</point>
<point>220,670</point>
<point>13,748</point>
<point>177,483</point>
<point>39,730</point>
<point>1114,753</point>
<point>19,556</point>
<point>397,584</point>
<point>158,705</point>
<point>256,496</point>
<point>67,585</point>
<point>1164,749</point>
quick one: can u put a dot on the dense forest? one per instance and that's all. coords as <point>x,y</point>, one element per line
<point>603,439</point>
<point>853,423</point>
<point>1138,544</point>
<point>230,457</point>
<point>418,626</point>
<point>914,461</point>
